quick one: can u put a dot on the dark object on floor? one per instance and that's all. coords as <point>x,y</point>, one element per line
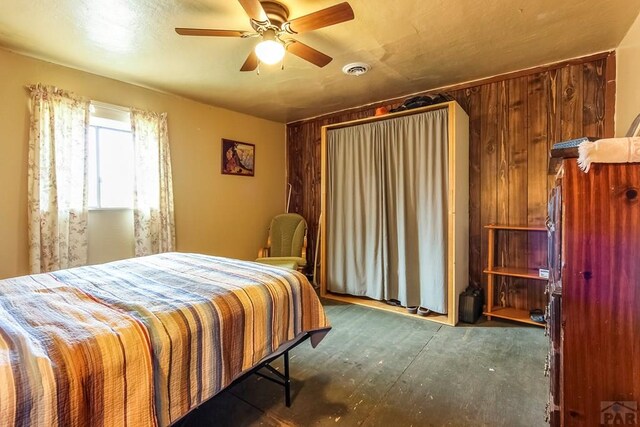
<point>537,315</point>
<point>412,309</point>
<point>423,311</point>
<point>470,307</point>
<point>422,101</point>
<point>393,302</point>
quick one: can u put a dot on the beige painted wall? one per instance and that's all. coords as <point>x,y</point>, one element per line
<point>110,235</point>
<point>628,79</point>
<point>215,214</point>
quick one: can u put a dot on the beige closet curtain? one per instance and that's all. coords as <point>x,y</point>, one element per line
<point>387,187</point>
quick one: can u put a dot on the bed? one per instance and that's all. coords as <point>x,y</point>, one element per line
<point>141,342</point>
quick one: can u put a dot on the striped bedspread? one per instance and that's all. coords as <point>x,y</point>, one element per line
<point>141,342</point>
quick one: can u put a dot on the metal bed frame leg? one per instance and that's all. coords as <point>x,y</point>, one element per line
<point>287,380</point>
<point>283,379</point>
<point>280,378</point>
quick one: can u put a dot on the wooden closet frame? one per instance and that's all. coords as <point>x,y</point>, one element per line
<point>457,211</point>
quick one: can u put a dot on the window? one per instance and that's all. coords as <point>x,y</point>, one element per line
<point>110,158</point>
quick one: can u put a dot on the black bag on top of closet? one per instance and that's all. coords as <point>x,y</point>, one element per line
<point>422,101</point>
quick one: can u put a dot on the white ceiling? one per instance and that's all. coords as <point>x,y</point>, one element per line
<point>411,45</point>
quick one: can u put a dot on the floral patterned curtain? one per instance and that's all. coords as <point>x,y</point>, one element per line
<point>57,179</point>
<point>154,224</point>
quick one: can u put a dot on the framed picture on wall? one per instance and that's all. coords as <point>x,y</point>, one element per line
<point>238,158</point>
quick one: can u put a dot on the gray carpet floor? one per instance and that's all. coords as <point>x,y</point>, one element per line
<point>382,369</point>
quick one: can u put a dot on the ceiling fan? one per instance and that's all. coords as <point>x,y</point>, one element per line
<point>270,20</point>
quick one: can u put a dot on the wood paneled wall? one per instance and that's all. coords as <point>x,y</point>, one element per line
<point>514,120</point>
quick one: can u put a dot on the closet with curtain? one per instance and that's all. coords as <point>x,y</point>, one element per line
<point>395,215</point>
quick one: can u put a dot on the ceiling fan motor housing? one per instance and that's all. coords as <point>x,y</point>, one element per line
<point>277,13</point>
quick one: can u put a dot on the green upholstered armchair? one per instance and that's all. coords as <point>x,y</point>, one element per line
<point>287,242</point>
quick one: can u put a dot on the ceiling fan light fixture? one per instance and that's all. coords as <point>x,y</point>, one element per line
<point>270,50</point>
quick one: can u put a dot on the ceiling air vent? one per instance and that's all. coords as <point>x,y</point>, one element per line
<point>355,68</point>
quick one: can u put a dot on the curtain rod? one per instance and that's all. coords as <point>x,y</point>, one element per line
<point>105,105</point>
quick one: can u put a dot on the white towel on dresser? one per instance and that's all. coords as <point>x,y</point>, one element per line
<point>609,150</point>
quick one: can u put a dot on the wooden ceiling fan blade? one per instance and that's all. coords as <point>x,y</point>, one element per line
<point>323,18</point>
<point>251,63</point>
<point>209,32</point>
<point>309,54</point>
<point>255,10</point>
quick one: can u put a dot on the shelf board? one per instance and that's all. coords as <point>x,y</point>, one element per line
<point>517,227</point>
<point>525,273</point>
<point>512,314</point>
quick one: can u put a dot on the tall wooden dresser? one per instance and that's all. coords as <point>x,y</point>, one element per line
<point>594,296</point>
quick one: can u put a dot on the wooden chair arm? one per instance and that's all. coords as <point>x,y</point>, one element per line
<point>265,252</point>
<point>304,248</point>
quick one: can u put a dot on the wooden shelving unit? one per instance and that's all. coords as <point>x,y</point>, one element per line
<point>492,270</point>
